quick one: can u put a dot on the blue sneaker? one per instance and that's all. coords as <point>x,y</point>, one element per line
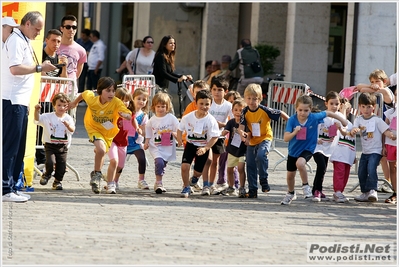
<point>186,191</point>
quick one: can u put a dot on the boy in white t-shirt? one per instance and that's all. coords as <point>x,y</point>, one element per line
<point>202,133</point>
<point>371,129</point>
<point>221,110</point>
<point>58,127</point>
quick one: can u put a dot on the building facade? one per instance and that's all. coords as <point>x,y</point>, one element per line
<point>326,45</point>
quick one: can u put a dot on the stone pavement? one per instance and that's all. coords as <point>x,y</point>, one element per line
<point>136,227</point>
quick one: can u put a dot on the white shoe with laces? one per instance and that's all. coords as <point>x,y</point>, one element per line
<point>19,193</point>
<point>142,184</point>
<point>307,191</point>
<point>13,197</point>
<point>288,198</point>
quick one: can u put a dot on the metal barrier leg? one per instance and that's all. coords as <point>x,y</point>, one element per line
<point>74,171</point>
<point>380,180</point>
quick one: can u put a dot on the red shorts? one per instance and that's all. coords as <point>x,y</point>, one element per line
<point>391,152</point>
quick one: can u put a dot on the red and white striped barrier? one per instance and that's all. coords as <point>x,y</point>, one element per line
<point>286,95</point>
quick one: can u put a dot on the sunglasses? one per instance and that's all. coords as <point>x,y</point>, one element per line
<point>149,42</point>
<point>68,27</point>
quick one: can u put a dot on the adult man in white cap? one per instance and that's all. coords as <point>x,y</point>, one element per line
<point>8,24</point>
<point>18,65</point>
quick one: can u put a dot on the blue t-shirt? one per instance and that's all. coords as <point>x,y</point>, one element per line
<point>296,147</point>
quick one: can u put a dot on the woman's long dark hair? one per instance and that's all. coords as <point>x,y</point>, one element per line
<point>169,57</point>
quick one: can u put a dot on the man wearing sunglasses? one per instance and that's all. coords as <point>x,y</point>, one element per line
<point>75,53</point>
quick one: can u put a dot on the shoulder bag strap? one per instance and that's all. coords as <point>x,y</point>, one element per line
<point>135,61</point>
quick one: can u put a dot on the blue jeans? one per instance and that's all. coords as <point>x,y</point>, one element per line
<point>367,173</point>
<point>257,161</point>
<point>15,123</point>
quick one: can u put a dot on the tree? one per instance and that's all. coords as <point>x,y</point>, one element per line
<point>268,55</point>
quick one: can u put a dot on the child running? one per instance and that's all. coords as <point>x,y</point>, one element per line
<point>236,150</point>
<point>100,121</point>
<point>343,156</point>
<point>326,143</point>
<point>257,133</point>
<point>390,148</point>
<point>160,134</point>
<point>117,151</point>
<point>202,133</point>
<point>371,129</point>
<point>58,127</point>
<point>135,143</point>
<point>301,133</point>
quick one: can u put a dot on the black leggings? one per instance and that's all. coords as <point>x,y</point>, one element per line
<point>321,162</point>
<point>140,155</point>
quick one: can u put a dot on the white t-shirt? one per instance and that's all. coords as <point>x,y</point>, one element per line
<point>97,53</point>
<point>371,130</point>
<point>328,143</point>
<point>199,131</point>
<point>143,63</point>
<point>221,112</point>
<point>54,131</point>
<point>345,150</point>
<point>391,115</point>
<point>16,51</point>
<point>162,143</point>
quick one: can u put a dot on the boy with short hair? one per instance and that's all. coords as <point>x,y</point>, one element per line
<point>202,133</point>
<point>58,127</point>
<point>221,110</point>
<point>196,87</point>
<point>371,129</point>
<point>256,118</point>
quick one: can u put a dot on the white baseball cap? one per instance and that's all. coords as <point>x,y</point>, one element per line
<point>8,21</point>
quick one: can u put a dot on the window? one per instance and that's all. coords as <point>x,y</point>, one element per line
<point>336,48</point>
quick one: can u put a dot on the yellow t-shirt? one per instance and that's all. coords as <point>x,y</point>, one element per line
<point>262,116</point>
<point>102,118</point>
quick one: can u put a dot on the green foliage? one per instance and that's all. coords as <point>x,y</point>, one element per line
<point>268,55</point>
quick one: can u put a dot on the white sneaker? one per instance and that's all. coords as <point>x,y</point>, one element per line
<point>222,187</point>
<point>12,197</point>
<point>288,199</point>
<point>372,196</point>
<point>362,198</point>
<point>111,188</point>
<point>307,191</point>
<point>142,184</point>
<point>205,191</point>
<point>339,197</point>
<point>117,185</point>
<point>158,188</point>
<point>214,190</point>
<point>19,193</point>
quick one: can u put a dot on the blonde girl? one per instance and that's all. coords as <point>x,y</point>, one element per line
<point>301,135</point>
<point>160,137</point>
<point>135,143</point>
<point>117,151</point>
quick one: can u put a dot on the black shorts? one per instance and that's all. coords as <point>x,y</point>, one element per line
<point>190,152</point>
<point>218,147</point>
<point>291,161</point>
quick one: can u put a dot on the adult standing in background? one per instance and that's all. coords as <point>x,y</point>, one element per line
<point>244,58</point>
<point>8,24</point>
<point>18,64</point>
<point>86,43</point>
<point>140,59</point>
<point>164,64</point>
<point>95,60</point>
<point>75,53</point>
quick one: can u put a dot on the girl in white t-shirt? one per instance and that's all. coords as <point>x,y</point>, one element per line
<point>160,132</point>
<point>343,156</point>
<point>326,143</point>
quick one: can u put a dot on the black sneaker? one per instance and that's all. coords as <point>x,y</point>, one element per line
<point>57,186</point>
<point>265,188</point>
<point>252,194</point>
<point>44,180</point>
